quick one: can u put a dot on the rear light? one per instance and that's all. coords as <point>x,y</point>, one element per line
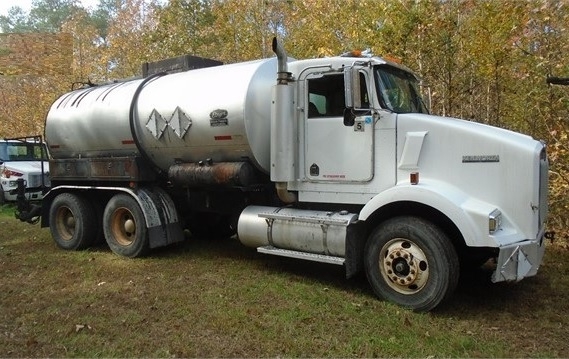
<point>8,173</point>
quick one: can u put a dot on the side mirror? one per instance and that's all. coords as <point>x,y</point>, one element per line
<point>349,116</point>
<point>352,87</point>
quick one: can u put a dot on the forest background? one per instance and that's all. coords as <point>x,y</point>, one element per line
<point>485,61</point>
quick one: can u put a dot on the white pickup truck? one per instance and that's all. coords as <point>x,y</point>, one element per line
<point>25,158</point>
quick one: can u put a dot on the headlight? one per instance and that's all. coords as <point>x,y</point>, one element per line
<point>494,221</point>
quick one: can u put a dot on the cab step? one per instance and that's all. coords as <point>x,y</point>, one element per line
<point>301,255</point>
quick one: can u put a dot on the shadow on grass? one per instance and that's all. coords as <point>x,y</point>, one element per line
<point>475,294</point>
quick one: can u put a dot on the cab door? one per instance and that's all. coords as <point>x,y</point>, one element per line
<point>335,152</point>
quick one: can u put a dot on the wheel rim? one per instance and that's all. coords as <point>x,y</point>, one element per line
<point>65,223</point>
<point>404,266</point>
<point>123,226</point>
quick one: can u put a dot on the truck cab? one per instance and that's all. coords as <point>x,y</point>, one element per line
<point>23,158</point>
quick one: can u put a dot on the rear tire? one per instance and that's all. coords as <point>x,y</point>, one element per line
<point>72,221</point>
<point>125,227</point>
<point>411,262</point>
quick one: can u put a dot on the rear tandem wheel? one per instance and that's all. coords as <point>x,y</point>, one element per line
<point>72,221</point>
<point>125,227</point>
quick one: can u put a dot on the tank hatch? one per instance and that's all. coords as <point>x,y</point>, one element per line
<point>177,64</point>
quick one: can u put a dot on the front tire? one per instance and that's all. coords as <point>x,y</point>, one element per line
<point>411,262</point>
<point>72,221</point>
<point>125,227</point>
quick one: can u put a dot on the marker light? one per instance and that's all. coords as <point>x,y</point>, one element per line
<point>414,177</point>
<point>392,59</point>
<point>494,221</point>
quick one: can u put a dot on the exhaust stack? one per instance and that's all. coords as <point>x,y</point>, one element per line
<point>283,76</point>
<point>283,154</point>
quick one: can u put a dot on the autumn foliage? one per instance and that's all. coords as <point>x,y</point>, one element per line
<point>485,61</point>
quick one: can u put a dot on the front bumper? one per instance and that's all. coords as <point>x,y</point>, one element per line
<point>519,260</point>
<point>32,194</point>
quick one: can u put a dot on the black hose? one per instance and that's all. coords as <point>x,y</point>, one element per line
<point>564,81</point>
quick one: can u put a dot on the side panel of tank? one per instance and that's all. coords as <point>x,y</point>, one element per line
<point>222,113</point>
<point>92,122</point>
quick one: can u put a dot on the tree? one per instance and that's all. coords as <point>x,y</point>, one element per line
<point>15,21</point>
<point>49,15</point>
<point>543,46</point>
<point>105,11</point>
<point>89,47</point>
<point>317,28</point>
<point>244,29</point>
<point>183,27</point>
<point>126,46</point>
<point>44,16</point>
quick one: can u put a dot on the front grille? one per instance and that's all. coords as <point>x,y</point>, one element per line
<point>35,181</point>
<point>543,187</point>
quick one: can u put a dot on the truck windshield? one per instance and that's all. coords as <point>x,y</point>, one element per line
<point>22,151</point>
<point>398,90</point>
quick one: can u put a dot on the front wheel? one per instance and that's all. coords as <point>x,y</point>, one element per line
<point>124,226</point>
<point>411,262</point>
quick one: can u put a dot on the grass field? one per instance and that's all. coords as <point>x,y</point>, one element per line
<point>219,299</point>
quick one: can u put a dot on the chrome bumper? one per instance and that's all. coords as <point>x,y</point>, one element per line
<point>519,260</point>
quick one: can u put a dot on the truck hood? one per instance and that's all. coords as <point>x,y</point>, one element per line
<point>26,167</point>
<point>490,164</point>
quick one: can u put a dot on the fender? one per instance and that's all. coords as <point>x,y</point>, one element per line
<point>157,207</point>
<point>469,215</point>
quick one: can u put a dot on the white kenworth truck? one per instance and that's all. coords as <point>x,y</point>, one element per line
<point>334,160</point>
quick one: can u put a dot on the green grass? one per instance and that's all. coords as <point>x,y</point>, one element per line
<point>218,299</point>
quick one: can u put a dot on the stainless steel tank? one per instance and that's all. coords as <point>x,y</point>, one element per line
<point>221,113</point>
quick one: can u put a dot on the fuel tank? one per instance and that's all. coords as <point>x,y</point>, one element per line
<point>220,113</point>
<point>317,232</point>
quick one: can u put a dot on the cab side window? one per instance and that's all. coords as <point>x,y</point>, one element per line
<point>3,152</point>
<point>326,96</point>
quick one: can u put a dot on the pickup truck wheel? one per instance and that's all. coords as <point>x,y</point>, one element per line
<point>72,221</point>
<point>125,227</point>
<point>411,262</point>
<point>2,197</point>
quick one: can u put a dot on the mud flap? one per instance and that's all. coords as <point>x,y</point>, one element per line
<point>161,217</point>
